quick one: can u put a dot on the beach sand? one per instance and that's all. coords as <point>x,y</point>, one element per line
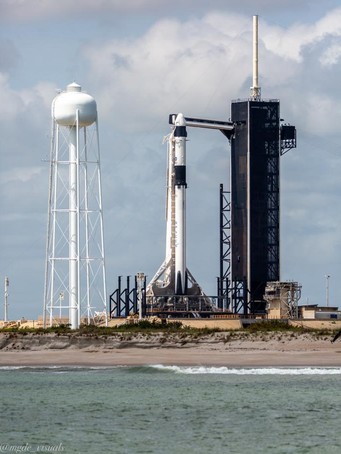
<point>214,350</point>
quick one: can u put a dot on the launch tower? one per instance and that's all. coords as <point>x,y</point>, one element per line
<point>258,142</point>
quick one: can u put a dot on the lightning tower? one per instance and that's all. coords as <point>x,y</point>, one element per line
<point>258,142</point>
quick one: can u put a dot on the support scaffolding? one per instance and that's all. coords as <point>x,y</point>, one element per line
<point>282,299</point>
<point>223,290</point>
<point>124,301</point>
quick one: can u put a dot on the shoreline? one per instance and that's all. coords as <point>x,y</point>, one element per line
<point>218,349</point>
<point>169,357</point>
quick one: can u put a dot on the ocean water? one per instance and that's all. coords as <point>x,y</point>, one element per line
<point>160,409</point>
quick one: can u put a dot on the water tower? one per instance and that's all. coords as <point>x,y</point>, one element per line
<point>75,285</point>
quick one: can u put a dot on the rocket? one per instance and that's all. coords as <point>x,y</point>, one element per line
<point>180,185</point>
<point>173,277</point>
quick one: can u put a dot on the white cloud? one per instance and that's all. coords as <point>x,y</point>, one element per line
<point>19,174</point>
<point>11,102</point>
<point>197,66</point>
<point>290,42</point>
<point>175,65</point>
<point>28,10</point>
<point>332,55</point>
<point>14,103</point>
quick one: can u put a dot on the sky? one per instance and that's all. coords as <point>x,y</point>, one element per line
<point>142,60</point>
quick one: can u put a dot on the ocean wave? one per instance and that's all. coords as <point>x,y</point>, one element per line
<point>61,368</point>
<point>223,370</point>
<point>187,370</point>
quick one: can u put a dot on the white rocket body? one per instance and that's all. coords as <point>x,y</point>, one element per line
<point>169,204</point>
<point>180,185</point>
<point>173,277</point>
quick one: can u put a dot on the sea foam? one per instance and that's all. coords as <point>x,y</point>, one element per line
<point>223,370</point>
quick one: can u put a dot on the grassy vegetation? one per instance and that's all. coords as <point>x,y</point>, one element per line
<point>61,329</point>
<point>145,327</point>
<point>275,326</point>
<point>142,326</point>
<point>283,327</point>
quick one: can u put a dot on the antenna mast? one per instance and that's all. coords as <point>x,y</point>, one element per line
<point>255,91</point>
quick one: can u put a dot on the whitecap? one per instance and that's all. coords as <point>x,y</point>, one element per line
<point>223,370</point>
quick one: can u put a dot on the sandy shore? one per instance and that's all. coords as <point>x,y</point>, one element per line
<point>218,349</point>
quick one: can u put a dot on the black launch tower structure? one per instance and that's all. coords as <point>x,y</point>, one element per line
<point>255,223</point>
<point>258,142</point>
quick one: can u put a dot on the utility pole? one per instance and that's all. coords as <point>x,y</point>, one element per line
<point>6,299</point>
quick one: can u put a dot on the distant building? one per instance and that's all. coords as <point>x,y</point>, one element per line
<point>282,299</point>
<point>313,311</point>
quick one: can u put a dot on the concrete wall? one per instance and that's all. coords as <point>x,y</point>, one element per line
<point>224,324</point>
<point>317,324</point>
<point>209,323</point>
<point>274,313</point>
<point>308,313</point>
<point>116,322</point>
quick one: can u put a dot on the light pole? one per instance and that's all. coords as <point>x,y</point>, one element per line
<point>6,299</point>
<point>140,284</point>
<point>327,289</point>
<point>61,298</point>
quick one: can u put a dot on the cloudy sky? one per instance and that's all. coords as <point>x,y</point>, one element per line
<point>144,59</point>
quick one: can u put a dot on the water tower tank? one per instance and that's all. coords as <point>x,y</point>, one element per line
<point>66,105</point>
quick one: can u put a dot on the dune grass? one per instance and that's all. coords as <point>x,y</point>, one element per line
<point>261,329</point>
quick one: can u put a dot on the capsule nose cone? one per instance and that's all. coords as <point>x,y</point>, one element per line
<point>180,120</point>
